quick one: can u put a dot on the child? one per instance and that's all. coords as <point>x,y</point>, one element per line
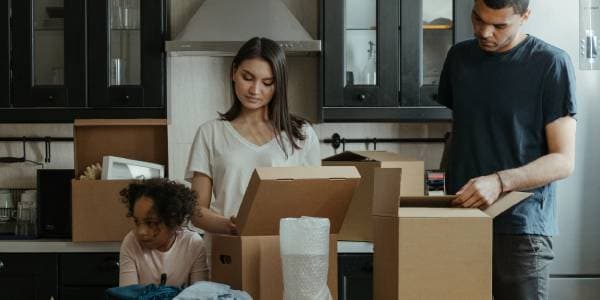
<point>159,246</point>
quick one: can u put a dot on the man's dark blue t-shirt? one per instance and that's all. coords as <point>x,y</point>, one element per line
<point>501,104</point>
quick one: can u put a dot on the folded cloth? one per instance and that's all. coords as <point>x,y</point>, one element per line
<point>142,292</point>
<point>206,290</point>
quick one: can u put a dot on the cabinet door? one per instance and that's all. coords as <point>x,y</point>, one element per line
<point>429,28</point>
<point>126,57</point>
<point>5,54</point>
<point>28,276</point>
<point>48,51</point>
<point>355,276</point>
<point>360,46</point>
<point>89,269</point>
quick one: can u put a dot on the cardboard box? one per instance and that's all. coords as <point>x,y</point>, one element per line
<point>97,212</point>
<point>425,249</point>
<point>252,261</point>
<point>358,222</point>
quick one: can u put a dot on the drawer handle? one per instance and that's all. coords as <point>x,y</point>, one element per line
<point>1,265</point>
<point>126,98</point>
<point>110,265</point>
<point>51,98</point>
<point>362,97</point>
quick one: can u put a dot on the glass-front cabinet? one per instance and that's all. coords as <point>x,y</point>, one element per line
<point>127,67</point>
<point>382,59</point>
<point>70,59</point>
<point>43,34</point>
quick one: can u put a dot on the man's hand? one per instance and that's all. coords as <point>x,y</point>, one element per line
<point>479,192</point>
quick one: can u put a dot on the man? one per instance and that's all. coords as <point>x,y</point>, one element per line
<point>513,102</point>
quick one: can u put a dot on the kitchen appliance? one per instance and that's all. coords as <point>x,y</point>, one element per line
<point>220,27</point>
<point>54,202</point>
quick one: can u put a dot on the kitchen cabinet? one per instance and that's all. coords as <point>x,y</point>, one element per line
<point>28,276</point>
<point>33,276</point>
<point>4,54</point>
<point>355,276</point>
<point>88,275</point>
<point>382,59</point>
<point>83,59</point>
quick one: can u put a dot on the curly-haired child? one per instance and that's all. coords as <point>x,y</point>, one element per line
<point>159,250</point>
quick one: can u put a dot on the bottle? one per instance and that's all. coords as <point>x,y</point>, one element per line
<point>370,70</point>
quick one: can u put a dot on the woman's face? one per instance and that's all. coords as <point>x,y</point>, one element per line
<point>254,83</point>
<point>150,231</point>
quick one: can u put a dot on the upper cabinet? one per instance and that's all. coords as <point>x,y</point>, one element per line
<point>83,59</point>
<point>382,59</point>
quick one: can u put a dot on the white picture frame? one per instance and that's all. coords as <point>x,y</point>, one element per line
<point>116,168</point>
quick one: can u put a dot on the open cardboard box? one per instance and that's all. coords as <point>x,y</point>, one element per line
<point>425,249</point>
<point>358,222</point>
<point>97,212</point>
<point>252,261</point>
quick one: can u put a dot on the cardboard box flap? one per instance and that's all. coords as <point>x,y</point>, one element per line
<point>298,173</point>
<point>367,156</point>
<point>386,191</point>
<point>282,192</point>
<point>440,212</point>
<point>138,139</point>
<point>505,202</point>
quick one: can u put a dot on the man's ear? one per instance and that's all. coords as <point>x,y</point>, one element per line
<point>525,16</point>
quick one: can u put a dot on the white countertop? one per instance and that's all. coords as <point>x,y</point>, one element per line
<point>65,246</point>
<point>55,245</point>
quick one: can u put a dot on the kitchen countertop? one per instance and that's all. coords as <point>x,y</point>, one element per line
<point>66,246</point>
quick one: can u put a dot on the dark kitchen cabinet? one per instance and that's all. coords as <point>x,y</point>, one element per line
<point>29,276</point>
<point>126,59</point>
<point>355,276</point>
<point>71,59</point>
<point>382,59</point>
<point>42,276</point>
<point>4,54</point>
<point>88,275</point>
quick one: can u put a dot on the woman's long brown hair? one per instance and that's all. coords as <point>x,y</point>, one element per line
<point>279,115</point>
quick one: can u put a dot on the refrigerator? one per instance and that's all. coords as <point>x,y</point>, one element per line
<point>576,268</point>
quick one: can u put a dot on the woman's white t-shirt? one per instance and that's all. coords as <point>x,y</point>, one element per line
<point>221,153</point>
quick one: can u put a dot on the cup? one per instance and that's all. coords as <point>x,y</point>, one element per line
<point>6,205</point>
<point>58,76</point>
<point>117,71</point>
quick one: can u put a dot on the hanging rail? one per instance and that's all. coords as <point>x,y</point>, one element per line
<point>24,139</point>
<point>336,140</point>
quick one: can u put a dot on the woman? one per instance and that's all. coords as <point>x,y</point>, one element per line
<point>257,131</point>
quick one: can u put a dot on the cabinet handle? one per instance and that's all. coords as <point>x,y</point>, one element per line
<point>51,98</point>
<point>1,265</point>
<point>127,98</point>
<point>362,97</point>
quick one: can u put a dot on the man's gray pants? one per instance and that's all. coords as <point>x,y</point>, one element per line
<point>521,267</point>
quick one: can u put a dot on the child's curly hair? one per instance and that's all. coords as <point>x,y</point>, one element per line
<point>174,203</point>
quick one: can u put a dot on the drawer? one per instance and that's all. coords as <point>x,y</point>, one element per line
<point>89,269</point>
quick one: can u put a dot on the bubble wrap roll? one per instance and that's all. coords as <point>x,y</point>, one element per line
<point>304,246</point>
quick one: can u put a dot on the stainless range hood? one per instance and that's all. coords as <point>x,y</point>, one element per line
<point>220,27</point>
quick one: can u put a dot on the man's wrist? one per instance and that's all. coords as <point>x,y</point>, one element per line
<point>502,187</point>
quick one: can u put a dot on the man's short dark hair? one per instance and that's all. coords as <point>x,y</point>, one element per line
<point>520,6</point>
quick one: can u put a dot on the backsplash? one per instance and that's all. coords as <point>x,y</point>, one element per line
<point>22,175</point>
